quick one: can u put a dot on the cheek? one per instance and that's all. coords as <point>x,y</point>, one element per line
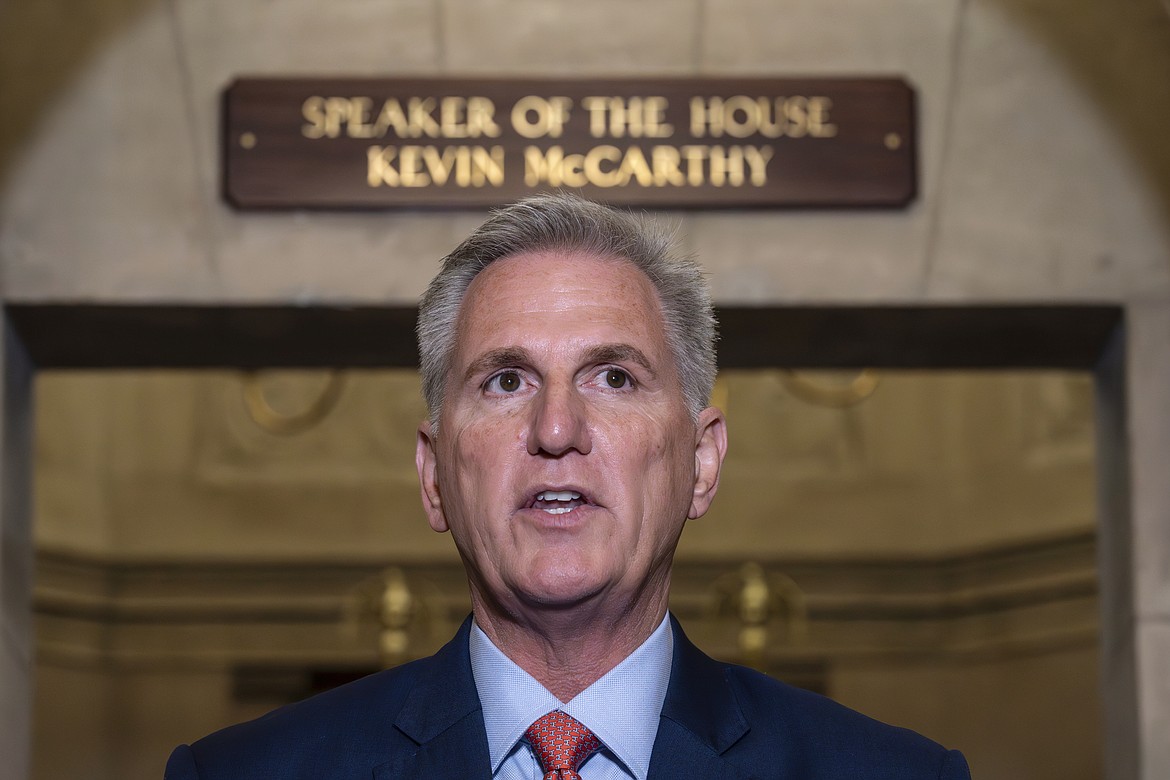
<point>652,453</point>
<point>674,455</point>
<point>474,474</point>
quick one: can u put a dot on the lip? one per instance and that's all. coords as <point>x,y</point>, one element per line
<point>539,518</point>
<point>566,520</point>
<point>528,499</point>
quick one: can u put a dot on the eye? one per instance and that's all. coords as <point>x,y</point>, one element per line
<point>505,381</point>
<point>616,378</point>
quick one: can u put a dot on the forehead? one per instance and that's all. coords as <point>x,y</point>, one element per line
<point>554,295</point>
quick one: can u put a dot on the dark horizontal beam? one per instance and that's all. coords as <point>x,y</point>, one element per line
<point>938,337</point>
<point>62,336</point>
<point>87,336</point>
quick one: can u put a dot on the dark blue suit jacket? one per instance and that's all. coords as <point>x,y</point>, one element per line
<point>423,720</point>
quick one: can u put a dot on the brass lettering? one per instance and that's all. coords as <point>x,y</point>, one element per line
<point>717,166</point>
<point>640,117</point>
<point>453,117</point>
<point>634,165</point>
<point>573,170</point>
<point>735,168</point>
<point>336,112</point>
<point>410,167</point>
<point>392,116</point>
<point>419,111</point>
<point>771,122</point>
<point>706,117</point>
<point>379,166</point>
<point>699,117</point>
<point>742,116</point>
<point>422,166</point>
<point>694,155</point>
<point>666,166</point>
<point>462,169</point>
<point>439,164</point>
<point>487,166</point>
<point>758,158</point>
<point>313,110</point>
<point>593,160</point>
<point>458,117</point>
<point>796,112</point>
<point>606,166</point>
<point>554,167</point>
<point>654,122</point>
<point>473,117</point>
<point>481,121</point>
<point>543,167</point>
<point>819,125</point>
<point>551,115</point>
<point>727,166</point>
<point>623,117</point>
<point>357,124</point>
<point>596,106</point>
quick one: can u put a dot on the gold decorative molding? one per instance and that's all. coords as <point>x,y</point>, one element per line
<point>285,424</point>
<point>395,606</point>
<point>803,387</point>
<point>809,390</point>
<point>763,604</point>
<point>1011,599</point>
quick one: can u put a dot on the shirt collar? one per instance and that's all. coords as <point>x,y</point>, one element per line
<point>622,708</point>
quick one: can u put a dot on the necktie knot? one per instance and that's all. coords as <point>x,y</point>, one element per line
<point>561,744</point>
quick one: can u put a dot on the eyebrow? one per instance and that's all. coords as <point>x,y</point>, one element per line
<point>495,359</point>
<point>620,353</point>
<point>504,357</point>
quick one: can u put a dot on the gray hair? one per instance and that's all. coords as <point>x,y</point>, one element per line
<point>560,222</point>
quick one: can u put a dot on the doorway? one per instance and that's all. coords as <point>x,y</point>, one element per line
<point>1005,336</point>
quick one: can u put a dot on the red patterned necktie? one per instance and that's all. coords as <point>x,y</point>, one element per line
<point>561,744</point>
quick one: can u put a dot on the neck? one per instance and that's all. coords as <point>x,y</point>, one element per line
<point>567,650</point>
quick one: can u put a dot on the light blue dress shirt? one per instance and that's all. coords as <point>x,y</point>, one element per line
<point>622,709</point>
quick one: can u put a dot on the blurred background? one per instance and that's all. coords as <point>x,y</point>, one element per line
<point>926,556</point>
<point>920,545</point>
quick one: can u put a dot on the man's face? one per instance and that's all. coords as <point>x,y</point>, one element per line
<point>567,461</point>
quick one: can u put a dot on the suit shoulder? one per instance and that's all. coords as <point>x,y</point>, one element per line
<point>350,720</point>
<point>827,739</point>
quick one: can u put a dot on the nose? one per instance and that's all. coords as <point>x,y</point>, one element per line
<point>559,422</point>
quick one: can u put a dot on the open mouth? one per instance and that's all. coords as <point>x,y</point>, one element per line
<point>557,502</point>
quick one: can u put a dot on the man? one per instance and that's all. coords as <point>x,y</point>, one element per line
<point>567,358</point>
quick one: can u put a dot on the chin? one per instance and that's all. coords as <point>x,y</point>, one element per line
<point>562,586</point>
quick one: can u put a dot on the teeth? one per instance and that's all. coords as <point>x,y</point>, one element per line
<point>558,510</point>
<point>558,495</point>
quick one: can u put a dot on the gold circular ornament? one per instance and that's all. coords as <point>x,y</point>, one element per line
<point>834,396</point>
<point>283,424</point>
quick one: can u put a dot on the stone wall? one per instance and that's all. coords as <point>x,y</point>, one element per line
<point>1042,168</point>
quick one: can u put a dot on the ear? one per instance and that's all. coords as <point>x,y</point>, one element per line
<point>425,462</point>
<point>710,449</point>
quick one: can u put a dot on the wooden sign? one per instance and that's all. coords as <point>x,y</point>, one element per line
<point>689,143</point>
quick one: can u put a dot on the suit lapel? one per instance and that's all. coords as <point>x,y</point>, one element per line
<point>700,719</point>
<point>460,751</point>
<point>443,717</point>
<point>678,752</point>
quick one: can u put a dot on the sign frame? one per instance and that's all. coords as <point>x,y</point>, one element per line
<point>385,143</point>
